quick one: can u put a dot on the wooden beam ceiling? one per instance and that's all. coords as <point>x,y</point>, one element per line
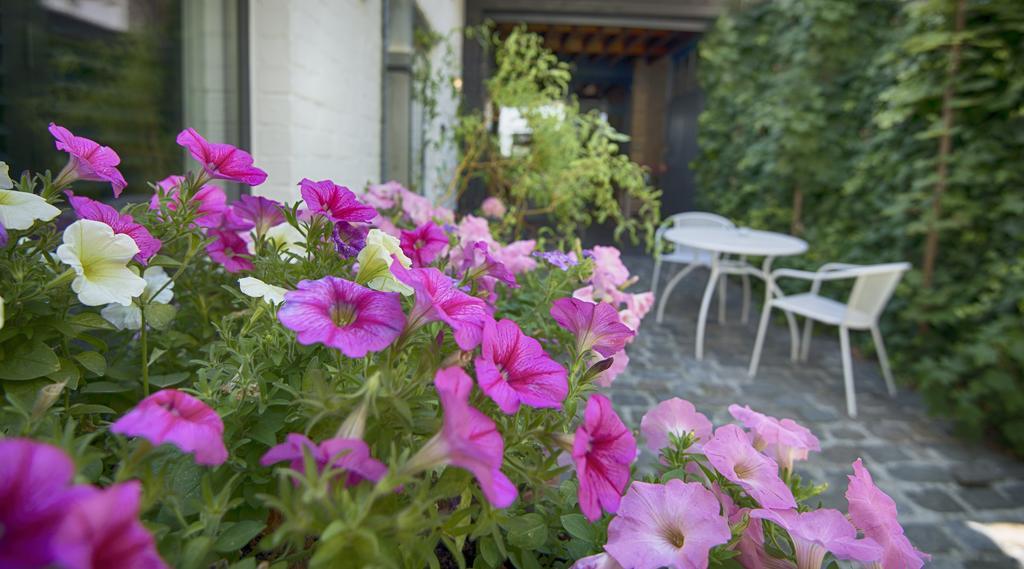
<point>604,43</point>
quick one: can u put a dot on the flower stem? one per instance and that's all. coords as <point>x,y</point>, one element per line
<point>145,353</point>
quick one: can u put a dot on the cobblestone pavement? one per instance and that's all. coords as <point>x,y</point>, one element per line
<point>958,500</point>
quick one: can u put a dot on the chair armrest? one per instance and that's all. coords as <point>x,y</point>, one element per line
<point>835,272</point>
<point>837,266</point>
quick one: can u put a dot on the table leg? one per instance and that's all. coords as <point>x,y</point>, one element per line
<point>705,303</point>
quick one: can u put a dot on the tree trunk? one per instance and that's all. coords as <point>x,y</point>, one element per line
<point>931,245</point>
<point>796,225</point>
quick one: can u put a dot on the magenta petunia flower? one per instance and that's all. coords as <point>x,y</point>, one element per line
<point>819,532</point>
<point>86,208</point>
<point>731,453</point>
<point>666,525</point>
<point>35,492</point>
<point>102,529</point>
<point>438,299</point>
<point>343,315</point>
<point>261,212</point>
<point>423,244</point>
<point>494,208</point>
<point>874,513</point>
<point>336,202</point>
<point>513,369</point>
<point>596,325</point>
<point>784,440</point>
<point>351,455</point>
<point>177,418</point>
<point>221,161</point>
<point>477,262</point>
<point>212,201</point>
<point>674,417</point>
<point>89,160</point>
<point>603,449</point>
<point>468,439</point>
<point>230,250</point>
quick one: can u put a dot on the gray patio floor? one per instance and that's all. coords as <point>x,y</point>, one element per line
<point>958,500</point>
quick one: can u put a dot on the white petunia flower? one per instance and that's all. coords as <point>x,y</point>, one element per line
<point>285,237</point>
<point>100,259</point>
<point>256,288</point>
<point>375,263</point>
<point>19,210</point>
<point>6,182</point>
<point>130,317</point>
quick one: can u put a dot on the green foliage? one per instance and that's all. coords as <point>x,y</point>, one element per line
<point>572,173</point>
<point>843,101</point>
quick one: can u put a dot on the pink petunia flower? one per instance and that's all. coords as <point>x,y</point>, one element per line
<point>874,513</point>
<point>424,243</point>
<point>667,525</point>
<point>596,326</point>
<point>419,209</point>
<point>230,250</point>
<point>637,306</point>
<point>674,417</point>
<point>382,196</point>
<point>493,208</point>
<point>177,418</point>
<point>86,208</point>
<point>468,439</point>
<point>784,440</point>
<point>351,455</point>
<point>438,299</point>
<point>343,315</point>
<point>337,203</point>
<point>609,272</point>
<point>261,212</point>
<point>212,201</point>
<point>599,561</point>
<point>35,492</point>
<point>478,263</point>
<point>517,256</point>
<point>620,360</point>
<point>731,453</point>
<point>88,161</point>
<point>387,226</point>
<point>513,369</point>
<point>819,532</point>
<point>603,448</point>
<point>102,529</point>
<point>221,161</point>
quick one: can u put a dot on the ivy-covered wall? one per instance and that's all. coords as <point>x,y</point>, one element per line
<point>884,131</point>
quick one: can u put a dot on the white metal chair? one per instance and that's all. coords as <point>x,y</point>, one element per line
<point>692,258</point>
<point>872,287</point>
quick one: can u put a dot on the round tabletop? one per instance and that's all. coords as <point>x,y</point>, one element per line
<point>737,241</point>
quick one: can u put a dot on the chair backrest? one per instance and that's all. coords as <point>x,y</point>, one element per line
<point>696,219</point>
<point>871,291</point>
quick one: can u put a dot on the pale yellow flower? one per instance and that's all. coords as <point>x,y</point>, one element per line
<point>19,210</point>
<point>375,263</point>
<point>100,259</point>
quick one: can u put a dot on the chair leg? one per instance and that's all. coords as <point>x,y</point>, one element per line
<point>669,287</point>
<point>805,344</point>
<point>721,298</point>
<point>883,360</point>
<point>746,299</point>
<point>657,274</point>
<point>851,397</point>
<point>762,327</point>
<point>794,336</point>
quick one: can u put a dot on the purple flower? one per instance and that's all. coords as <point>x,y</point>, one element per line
<point>343,315</point>
<point>3,235</point>
<point>596,325</point>
<point>478,262</point>
<point>230,250</point>
<point>211,200</point>
<point>667,525</point>
<point>174,417</point>
<point>786,440</point>
<point>35,492</point>
<point>336,202</point>
<point>819,532</point>
<point>559,259</point>
<point>874,513</point>
<point>350,455</point>
<point>438,299</point>
<point>349,238</point>
<point>102,529</point>
<point>423,244</point>
<point>674,417</point>
<point>513,369</point>
<point>603,448</point>
<point>261,212</point>
<point>86,208</point>
<point>468,439</point>
<point>221,161</point>
<point>731,453</point>
<point>89,160</point>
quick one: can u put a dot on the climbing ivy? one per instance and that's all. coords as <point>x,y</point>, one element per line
<point>901,125</point>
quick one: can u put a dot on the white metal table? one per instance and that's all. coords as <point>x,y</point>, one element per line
<point>736,241</point>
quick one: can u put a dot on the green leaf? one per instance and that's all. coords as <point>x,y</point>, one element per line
<point>88,409</point>
<point>239,534</point>
<point>168,379</point>
<point>163,261</point>
<point>159,316</point>
<point>528,531</point>
<point>68,373</point>
<point>579,527</point>
<point>107,387</point>
<point>92,361</point>
<point>88,321</point>
<point>28,361</point>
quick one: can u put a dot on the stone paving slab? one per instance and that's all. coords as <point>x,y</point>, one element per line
<point>959,500</point>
